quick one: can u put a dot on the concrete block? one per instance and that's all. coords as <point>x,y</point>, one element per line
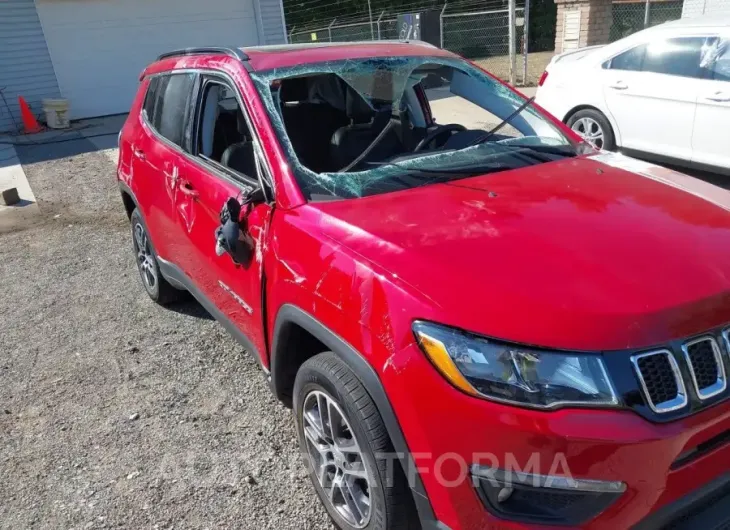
<point>9,197</point>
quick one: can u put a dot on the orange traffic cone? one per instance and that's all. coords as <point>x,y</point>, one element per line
<point>30,124</point>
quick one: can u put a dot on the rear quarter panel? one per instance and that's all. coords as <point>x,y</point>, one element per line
<point>129,130</point>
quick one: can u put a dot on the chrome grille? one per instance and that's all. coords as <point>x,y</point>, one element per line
<point>705,366</point>
<point>661,380</point>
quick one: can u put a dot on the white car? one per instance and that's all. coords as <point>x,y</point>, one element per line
<point>663,91</point>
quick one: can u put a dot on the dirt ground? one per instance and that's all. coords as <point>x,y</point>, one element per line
<point>115,412</point>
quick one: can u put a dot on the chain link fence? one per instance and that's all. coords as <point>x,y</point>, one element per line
<point>480,29</point>
<point>481,34</point>
<point>630,17</point>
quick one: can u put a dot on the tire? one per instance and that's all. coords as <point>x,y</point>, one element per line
<point>598,124</point>
<point>149,270</point>
<point>326,377</point>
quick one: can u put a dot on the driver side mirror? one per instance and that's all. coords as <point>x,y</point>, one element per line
<point>232,235</point>
<point>232,240</point>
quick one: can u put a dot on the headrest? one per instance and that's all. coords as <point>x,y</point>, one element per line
<point>356,107</point>
<point>294,89</point>
<point>241,123</point>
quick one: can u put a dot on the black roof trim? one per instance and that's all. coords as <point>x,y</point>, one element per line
<point>232,52</point>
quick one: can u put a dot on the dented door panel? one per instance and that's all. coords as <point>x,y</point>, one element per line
<point>234,288</point>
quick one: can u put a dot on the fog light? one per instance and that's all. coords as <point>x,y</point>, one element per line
<point>544,499</point>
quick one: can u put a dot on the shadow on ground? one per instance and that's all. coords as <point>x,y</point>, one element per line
<point>85,136</point>
<point>190,307</point>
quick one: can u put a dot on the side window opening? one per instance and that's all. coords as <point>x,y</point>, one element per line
<point>150,99</point>
<point>223,135</point>
<point>449,105</point>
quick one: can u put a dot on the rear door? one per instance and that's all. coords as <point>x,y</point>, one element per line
<point>156,155</point>
<point>221,132</point>
<point>710,141</point>
<point>651,91</point>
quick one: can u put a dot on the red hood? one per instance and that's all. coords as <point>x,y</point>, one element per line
<point>577,254</point>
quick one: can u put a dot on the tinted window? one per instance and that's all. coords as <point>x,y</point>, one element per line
<point>679,57</point>
<point>172,99</point>
<point>149,100</point>
<point>629,60</point>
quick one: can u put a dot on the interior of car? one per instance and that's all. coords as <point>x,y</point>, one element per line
<point>336,124</point>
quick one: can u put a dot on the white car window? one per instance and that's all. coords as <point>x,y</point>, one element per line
<point>720,60</point>
<point>630,60</point>
<point>678,56</point>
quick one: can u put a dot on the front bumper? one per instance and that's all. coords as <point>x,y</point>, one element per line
<point>447,432</point>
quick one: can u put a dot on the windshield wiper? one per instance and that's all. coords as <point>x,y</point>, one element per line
<point>487,135</point>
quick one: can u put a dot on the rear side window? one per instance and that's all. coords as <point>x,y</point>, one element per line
<point>630,60</point>
<point>171,96</point>
<point>149,100</point>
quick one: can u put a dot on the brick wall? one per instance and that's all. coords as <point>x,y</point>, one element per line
<point>596,18</point>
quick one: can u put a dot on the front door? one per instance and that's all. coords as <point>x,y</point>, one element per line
<point>222,165</point>
<point>651,91</point>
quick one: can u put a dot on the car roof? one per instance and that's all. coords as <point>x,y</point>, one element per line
<point>260,58</point>
<point>279,56</point>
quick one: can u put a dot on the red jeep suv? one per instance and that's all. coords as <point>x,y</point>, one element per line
<point>479,320</point>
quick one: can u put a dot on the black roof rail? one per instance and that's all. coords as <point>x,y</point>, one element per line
<point>232,52</point>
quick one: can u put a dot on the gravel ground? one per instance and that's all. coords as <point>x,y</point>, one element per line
<point>115,412</point>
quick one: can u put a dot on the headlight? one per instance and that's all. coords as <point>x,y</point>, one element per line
<point>516,374</point>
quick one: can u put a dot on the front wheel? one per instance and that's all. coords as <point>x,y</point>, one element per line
<point>340,434</point>
<point>593,127</point>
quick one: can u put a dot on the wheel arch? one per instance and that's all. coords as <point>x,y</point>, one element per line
<point>128,199</point>
<point>609,119</point>
<point>291,325</point>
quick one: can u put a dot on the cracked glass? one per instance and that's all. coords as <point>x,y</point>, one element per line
<point>384,104</point>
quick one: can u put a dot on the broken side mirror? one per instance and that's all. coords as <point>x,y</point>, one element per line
<point>232,235</point>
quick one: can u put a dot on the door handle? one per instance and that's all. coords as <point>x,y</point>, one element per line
<point>139,153</point>
<point>187,189</point>
<point>719,96</point>
<point>619,85</point>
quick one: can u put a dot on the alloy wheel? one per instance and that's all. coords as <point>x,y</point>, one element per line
<point>145,258</point>
<point>590,130</point>
<point>336,458</point>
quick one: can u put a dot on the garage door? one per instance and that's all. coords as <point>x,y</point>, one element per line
<point>99,47</point>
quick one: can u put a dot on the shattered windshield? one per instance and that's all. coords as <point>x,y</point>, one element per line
<point>359,127</point>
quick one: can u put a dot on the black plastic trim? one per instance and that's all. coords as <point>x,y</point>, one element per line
<point>689,456</point>
<point>704,499</point>
<point>597,504</point>
<point>369,378</point>
<point>209,50</point>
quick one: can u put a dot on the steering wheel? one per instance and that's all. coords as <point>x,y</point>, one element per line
<point>438,131</point>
